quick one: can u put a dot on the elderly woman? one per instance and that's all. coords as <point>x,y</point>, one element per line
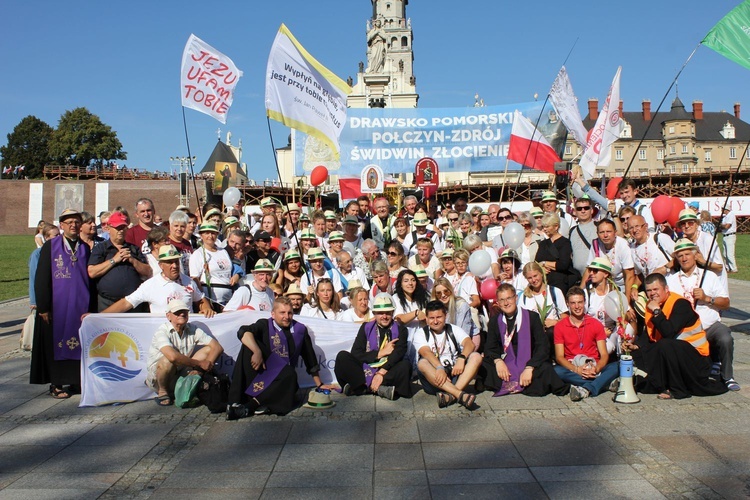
<point>402,231</point>
<point>555,255</point>
<point>459,312</point>
<point>475,212</point>
<point>530,245</point>
<point>472,244</point>
<point>211,267</point>
<point>88,230</point>
<point>536,214</point>
<point>510,270</point>
<point>178,221</point>
<point>465,224</point>
<point>359,312</point>
<point>381,280</point>
<point>157,237</point>
<point>447,266</point>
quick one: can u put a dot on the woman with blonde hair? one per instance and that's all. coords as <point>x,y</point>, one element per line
<point>555,255</point>
<point>546,300</point>
<point>326,303</point>
<point>531,239</point>
<point>359,312</point>
<point>38,237</point>
<point>459,312</point>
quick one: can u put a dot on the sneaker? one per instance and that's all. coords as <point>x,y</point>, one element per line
<point>262,410</point>
<point>346,390</point>
<point>614,385</point>
<point>236,411</point>
<point>715,369</point>
<point>387,392</point>
<point>578,393</point>
<point>732,385</point>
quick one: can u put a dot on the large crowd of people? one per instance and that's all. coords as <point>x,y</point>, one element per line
<point>536,319</point>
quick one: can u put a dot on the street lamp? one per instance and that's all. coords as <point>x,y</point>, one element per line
<point>184,162</point>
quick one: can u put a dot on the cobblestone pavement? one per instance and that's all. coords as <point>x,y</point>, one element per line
<point>510,447</point>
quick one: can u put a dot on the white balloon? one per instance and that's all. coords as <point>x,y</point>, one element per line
<point>498,243</point>
<point>231,196</point>
<point>564,227</point>
<point>513,235</point>
<point>479,262</point>
<point>612,303</point>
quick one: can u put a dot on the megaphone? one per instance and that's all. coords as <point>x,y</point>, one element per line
<point>626,392</point>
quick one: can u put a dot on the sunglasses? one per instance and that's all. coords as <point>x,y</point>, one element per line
<point>506,217</point>
<point>393,254</point>
<point>582,209</point>
<point>452,219</point>
<point>526,225</point>
<point>624,219</point>
<point>445,293</point>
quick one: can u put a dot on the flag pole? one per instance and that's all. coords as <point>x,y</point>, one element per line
<point>721,216</point>
<point>653,117</point>
<point>505,175</point>
<point>190,162</point>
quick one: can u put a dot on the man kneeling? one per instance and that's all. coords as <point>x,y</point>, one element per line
<point>581,350</point>
<point>447,359</point>
<point>376,362</point>
<point>178,348</point>
<point>265,380</point>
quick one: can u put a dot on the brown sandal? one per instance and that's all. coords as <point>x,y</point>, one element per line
<point>466,400</point>
<point>445,399</point>
<point>58,392</point>
<point>665,395</point>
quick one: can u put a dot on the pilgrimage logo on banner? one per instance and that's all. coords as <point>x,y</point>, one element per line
<point>114,361</point>
<point>458,139</point>
<point>303,94</point>
<point>207,79</point>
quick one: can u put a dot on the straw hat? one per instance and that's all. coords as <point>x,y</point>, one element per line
<point>263,266</point>
<point>293,289</point>
<point>208,227</point>
<point>336,236</point>
<point>318,400</point>
<point>548,196</point>
<point>683,244</point>
<point>685,215</point>
<point>291,254</point>
<point>315,253</point>
<point>420,219</point>
<point>601,263</point>
<point>383,303</point>
<point>167,253</point>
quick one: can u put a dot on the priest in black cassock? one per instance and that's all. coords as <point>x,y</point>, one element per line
<point>265,379</point>
<point>62,296</point>
<point>377,362</point>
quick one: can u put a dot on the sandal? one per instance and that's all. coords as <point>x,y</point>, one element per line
<point>445,399</point>
<point>58,392</point>
<point>163,400</point>
<point>665,395</point>
<point>466,400</point>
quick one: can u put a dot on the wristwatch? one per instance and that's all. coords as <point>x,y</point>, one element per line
<point>112,261</point>
<point>656,311</point>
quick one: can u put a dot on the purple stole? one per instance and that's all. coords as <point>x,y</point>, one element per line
<point>515,361</point>
<point>70,296</point>
<point>279,358</point>
<point>371,332</point>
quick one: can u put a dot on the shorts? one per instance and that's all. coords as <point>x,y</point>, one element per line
<point>428,387</point>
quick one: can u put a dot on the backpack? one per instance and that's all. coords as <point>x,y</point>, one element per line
<point>414,238</point>
<point>449,332</point>
<point>661,248</point>
<point>213,391</point>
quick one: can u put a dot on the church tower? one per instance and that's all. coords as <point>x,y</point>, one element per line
<point>387,79</point>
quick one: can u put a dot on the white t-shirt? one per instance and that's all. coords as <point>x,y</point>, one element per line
<point>441,345</point>
<point>621,257</point>
<point>357,274</point>
<point>431,266</point>
<point>683,285</point>
<point>519,283</point>
<point>219,268</point>
<point>556,307</point>
<point>158,291</point>
<point>704,245</point>
<point>644,211</point>
<point>351,316</point>
<point>595,308</point>
<point>259,301</point>
<point>411,246</point>
<point>400,309</point>
<point>649,257</point>
<point>466,286</point>
<point>315,312</point>
<point>304,283</point>
<point>729,218</point>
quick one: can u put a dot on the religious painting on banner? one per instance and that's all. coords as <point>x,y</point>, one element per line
<point>68,196</point>
<point>427,176</point>
<point>371,179</point>
<point>225,175</point>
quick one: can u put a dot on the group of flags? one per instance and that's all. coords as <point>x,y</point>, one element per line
<point>208,79</point>
<point>15,171</point>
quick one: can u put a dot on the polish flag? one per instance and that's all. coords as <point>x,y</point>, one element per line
<point>529,147</point>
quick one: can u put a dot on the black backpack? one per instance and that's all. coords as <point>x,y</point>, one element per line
<point>213,391</point>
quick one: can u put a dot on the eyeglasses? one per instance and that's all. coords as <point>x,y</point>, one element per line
<point>526,225</point>
<point>393,254</point>
<point>624,219</point>
<point>506,217</point>
<point>452,219</point>
<point>183,312</point>
<point>505,300</point>
<point>638,226</point>
<point>445,293</point>
<point>594,270</point>
<point>583,209</point>
<point>538,216</point>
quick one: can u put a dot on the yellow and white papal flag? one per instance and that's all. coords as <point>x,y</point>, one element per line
<point>303,94</point>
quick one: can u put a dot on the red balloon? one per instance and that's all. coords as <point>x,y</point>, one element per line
<point>275,243</point>
<point>318,175</point>
<point>488,289</point>
<point>612,187</point>
<point>677,206</point>
<point>661,208</point>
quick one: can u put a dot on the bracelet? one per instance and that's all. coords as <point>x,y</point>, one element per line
<point>441,367</point>
<point>634,286</point>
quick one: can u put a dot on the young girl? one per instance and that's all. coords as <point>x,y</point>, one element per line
<point>326,302</point>
<point>410,300</point>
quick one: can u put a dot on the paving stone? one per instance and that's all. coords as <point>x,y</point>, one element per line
<point>471,455</point>
<point>585,473</point>
<point>33,406</point>
<point>474,429</point>
<point>525,428</point>
<point>146,435</point>
<point>6,426</point>
<point>51,494</point>
<point>488,491</point>
<point>235,458</point>
<point>84,481</point>
<point>44,434</point>
<point>567,452</point>
<point>481,476</point>
<point>316,493</point>
<point>353,403</point>
<point>314,479</point>
<point>400,405</point>
<point>14,459</point>
<point>7,478</point>
<point>12,389</point>
<point>246,432</point>
<point>399,479</point>
<point>521,402</point>
<point>601,489</point>
<point>389,456</point>
<point>211,480</point>
<point>331,432</point>
<point>402,492</point>
<point>94,459</point>
<point>207,493</point>
<point>326,457</point>
<point>396,431</point>
<point>8,404</point>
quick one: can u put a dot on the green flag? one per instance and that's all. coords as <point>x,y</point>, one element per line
<point>731,36</point>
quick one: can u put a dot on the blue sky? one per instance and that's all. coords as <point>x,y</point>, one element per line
<point>121,60</point>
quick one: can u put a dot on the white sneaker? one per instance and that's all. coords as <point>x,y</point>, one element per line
<point>578,393</point>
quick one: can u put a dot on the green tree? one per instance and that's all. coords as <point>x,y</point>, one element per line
<point>81,138</point>
<point>28,145</point>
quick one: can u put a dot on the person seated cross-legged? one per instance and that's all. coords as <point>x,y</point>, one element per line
<point>447,359</point>
<point>377,362</point>
<point>178,348</point>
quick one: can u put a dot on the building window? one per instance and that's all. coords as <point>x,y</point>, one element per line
<point>642,154</point>
<point>672,169</point>
<point>404,41</point>
<point>618,154</point>
<point>732,153</point>
<point>685,168</point>
<point>619,172</point>
<point>671,129</point>
<point>659,154</point>
<point>644,172</point>
<point>568,149</point>
<point>684,148</point>
<point>671,150</point>
<point>708,155</point>
<point>747,153</point>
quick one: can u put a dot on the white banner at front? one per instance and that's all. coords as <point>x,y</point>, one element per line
<point>115,350</point>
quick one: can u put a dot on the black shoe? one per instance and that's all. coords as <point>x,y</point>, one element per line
<point>387,392</point>
<point>346,390</point>
<point>236,412</point>
<point>262,410</point>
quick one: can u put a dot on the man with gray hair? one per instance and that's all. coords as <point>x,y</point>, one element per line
<point>144,214</point>
<point>371,253</point>
<point>178,221</point>
<point>410,207</point>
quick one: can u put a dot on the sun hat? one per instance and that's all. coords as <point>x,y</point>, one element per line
<point>686,215</point>
<point>548,196</point>
<point>420,219</point>
<point>304,217</point>
<point>67,213</point>
<point>167,253</point>
<point>307,234</point>
<point>319,399</point>
<point>350,219</point>
<point>683,244</point>
<point>293,289</point>
<point>268,201</point>
<point>208,227</point>
<point>601,263</point>
<point>315,253</point>
<point>212,212</point>
<point>230,221</point>
<point>177,305</point>
<point>383,303</point>
<point>536,212</point>
<point>336,236</point>
<point>419,271</point>
<point>263,266</point>
<point>447,254</point>
<point>329,214</point>
<point>292,207</point>
<point>291,254</point>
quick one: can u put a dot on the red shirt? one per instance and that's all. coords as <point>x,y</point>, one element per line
<point>136,235</point>
<point>572,337</point>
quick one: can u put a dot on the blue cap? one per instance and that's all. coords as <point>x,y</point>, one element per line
<point>694,204</point>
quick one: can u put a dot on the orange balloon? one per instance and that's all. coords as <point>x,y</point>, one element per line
<point>612,187</point>
<point>318,175</point>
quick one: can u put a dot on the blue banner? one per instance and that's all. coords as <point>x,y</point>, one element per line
<point>459,139</point>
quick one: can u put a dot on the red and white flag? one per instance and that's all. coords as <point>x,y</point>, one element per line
<point>607,130</point>
<point>529,147</point>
